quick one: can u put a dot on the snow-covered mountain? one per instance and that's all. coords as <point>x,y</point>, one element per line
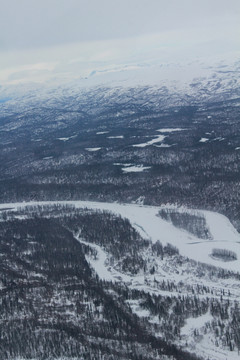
<point>179,83</point>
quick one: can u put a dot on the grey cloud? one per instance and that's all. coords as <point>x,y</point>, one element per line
<point>35,23</point>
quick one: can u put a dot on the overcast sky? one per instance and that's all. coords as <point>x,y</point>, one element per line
<point>66,36</point>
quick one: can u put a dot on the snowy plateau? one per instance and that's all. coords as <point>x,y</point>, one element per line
<point>119,216</point>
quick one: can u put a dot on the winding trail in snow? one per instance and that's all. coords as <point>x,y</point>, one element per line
<point>100,266</point>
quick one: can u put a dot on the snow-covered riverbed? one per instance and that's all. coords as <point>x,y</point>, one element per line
<point>146,220</point>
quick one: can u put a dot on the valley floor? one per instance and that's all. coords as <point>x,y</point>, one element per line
<point>151,226</point>
<point>147,221</point>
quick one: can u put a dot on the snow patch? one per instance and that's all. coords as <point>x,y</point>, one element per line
<point>102,132</point>
<point>195,324</point>
<point>116,137</point>
<point>122,164</point>
<point>137,168</point>
<point>164,146</point>
<point>66,138</point>
<point>93,149</point>
<point>203,140</point>
<point>48,158</point>
<point>219,139</point>
<point>157,139</point>
<point>170,130</point>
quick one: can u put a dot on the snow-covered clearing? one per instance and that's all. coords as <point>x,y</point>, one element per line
<point>122,164</point>
<point>132,168</point>
<point>203,140</point>
<point>158,138</point>
<point>201,343</point>
<point>64,139</point>
<point>195,324</point>
<point>102,132</point>
<point>116,137</point>
<point>67,138</point>
<point>137,168</point>
<point>219,139</point>
<point>93,149</point>
<point>170,130</point>
<point>164,146</point>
